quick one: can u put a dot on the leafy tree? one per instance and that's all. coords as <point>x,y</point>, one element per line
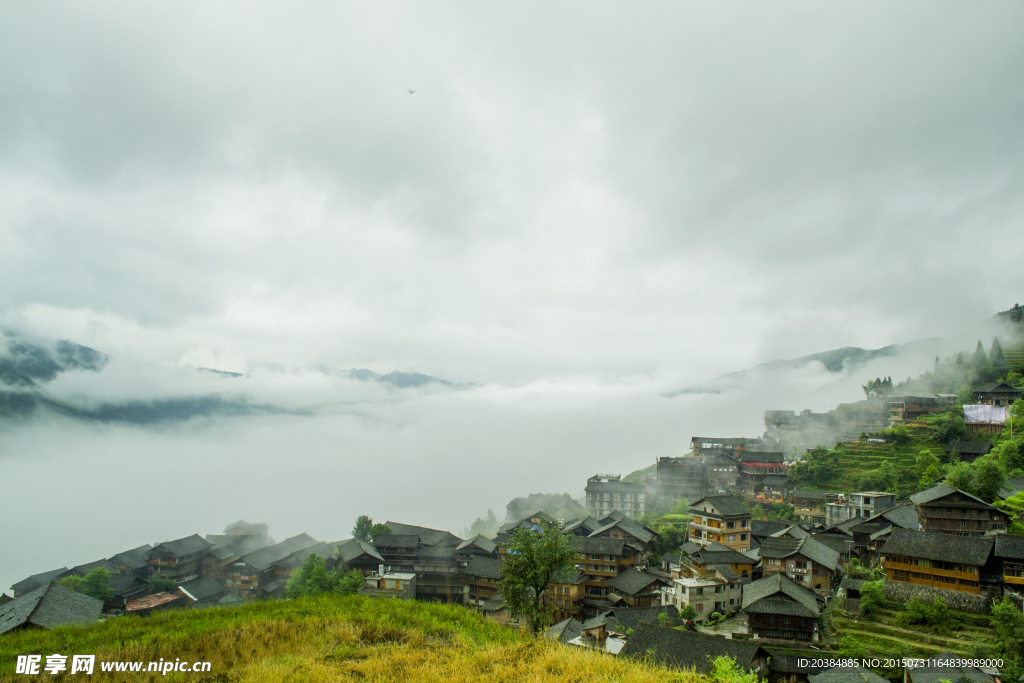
<point>314,578</point>
<point>989,477</point>
<point>1007,619</point>
<point>73,582</point>
<point>687,613</point>
<point>680,508</point>
<point>1009,454</point>
<point>368,532</point>
<point>898,435</point>
<point>161,584</point>
<point>362,529</point>
<point>925,459</point>
<point>995,354</point>
<point>725,670</point>
<point>96,584</point>
<point>979,358</point>
<point>379,530</point>
<point>1014,507</point>
<point>936,615</point>
<point>872,597</point>
<point>953,428</point>
<point>819,470</point>
<point>350,583</point>
<point>961,476</point>
<point>532,562</point>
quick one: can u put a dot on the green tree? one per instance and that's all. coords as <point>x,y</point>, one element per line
<point>96,584</point>
<point>312,578</point>
<point>1014,507</point>
<point>995,354</point>
<point>379,530</point>
<point>350,583</point>
<point>74,582</point>
<point>533,560</point>
<point>725,670</point>
<point>989,478</point>
<point>961,476</point>
<point>925,459</point>
<point>161,584</point>
<point>368,532</point>
<point>872,597</point>
<point>687,613</point>
<point>680,508</point>
<point>1007,620</point>
<point>363,528</point>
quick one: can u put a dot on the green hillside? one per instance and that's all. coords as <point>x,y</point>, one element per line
<point>329,638</point>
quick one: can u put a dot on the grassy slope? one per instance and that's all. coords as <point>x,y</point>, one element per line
<point>331,638</point>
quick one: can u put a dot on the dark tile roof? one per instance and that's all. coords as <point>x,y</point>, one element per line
<point>479,541</point>
<point>589,524</point>
<point>941,491</point>
<point>48,607</point>
<point>185,546</point>
<point>37,581</point>
<point>483,567</point>
<point>263,558</point>
<point>768,457</point>
<point>680,649</point>
<point>426,535</point>
<point>761,529</point>
<point>241,544</point>
<point>83,569</point>
<point>1010,547</point>
<point>929,546</point>
<point>635,529</point>
<point>297,558</point>
<point>134,558</point>
<point>847,675</point>
<point>570,577</point>
<point>935,674</point>
<point>808,494</point>
<point>904,516</point>
<point>852,583</point>
<point>780,546</point>
<point>729,506</point>
<point>126,584</point>
<point>625,618</point>
<point>566,630</point>
<point>777,594</point>
<point>436,552</point>
<point>969,447</point>
<point>840,544</point>
<point>603,546</point>
<point>633,582</point>
<point>352,548</point>
<point>204,589</point>
<point>389,541</point>
<point>727,556</point>
<point>726,571</point>
<point>997,388</point>
<point>775,480</point>
<point>689,548</point>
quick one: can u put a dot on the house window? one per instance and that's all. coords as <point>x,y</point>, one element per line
<point>698,608</point>
<point>743,537</point>
<point>732,537</point>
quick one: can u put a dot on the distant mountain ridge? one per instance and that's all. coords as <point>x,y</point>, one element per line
<point>27,366</point>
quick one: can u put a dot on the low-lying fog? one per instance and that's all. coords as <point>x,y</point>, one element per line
<point>437,456</point>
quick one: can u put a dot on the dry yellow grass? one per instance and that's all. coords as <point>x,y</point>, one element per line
<point>331,639</point>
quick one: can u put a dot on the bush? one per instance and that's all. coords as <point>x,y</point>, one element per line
<point>872,597</point>
<point>936,615</point>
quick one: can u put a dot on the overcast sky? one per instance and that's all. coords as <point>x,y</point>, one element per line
<point>574,206</point>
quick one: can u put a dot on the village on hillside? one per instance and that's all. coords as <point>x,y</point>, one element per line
<point>888,529</point>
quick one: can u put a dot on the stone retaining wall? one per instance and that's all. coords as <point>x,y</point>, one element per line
<point>962,602</point>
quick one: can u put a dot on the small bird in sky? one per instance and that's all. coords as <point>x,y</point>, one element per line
<point>412,92</point>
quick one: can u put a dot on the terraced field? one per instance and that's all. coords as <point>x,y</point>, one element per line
<point>884,634</point>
